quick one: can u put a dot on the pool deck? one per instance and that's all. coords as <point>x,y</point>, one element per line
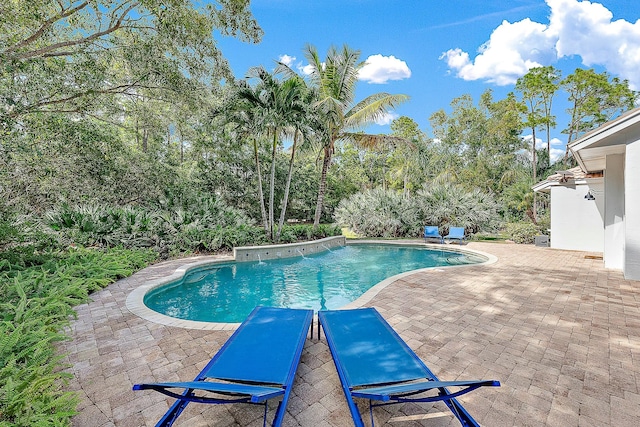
<point>558,330</point>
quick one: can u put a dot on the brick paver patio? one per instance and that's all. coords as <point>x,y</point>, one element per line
<point>559,331</point>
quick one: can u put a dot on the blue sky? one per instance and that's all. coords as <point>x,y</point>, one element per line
<point>436,51</point>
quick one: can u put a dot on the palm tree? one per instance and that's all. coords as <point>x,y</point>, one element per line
<point>275,106</point>
<point>302,127</point>
<point>245,111</point>
<point>335,80</point>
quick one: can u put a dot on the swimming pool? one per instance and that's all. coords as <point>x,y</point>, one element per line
<point>227,292</point>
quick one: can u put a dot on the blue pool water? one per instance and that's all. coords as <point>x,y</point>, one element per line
<point>328,280</point>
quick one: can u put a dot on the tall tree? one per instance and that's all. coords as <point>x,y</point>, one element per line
<point>407,158</point>
<point>245,110</point>
<point>595,99</point>
<point>534,115</point>
<point>538,88</point>
<point>335,79</point>
<point>476,144</point>
<point>69,55</point>
<point>302,124</point>
<point>278,106</point>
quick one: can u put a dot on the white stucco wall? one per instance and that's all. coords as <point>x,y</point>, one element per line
<point>614,238</point>
<point>577,223</point>
<point>632,212</point>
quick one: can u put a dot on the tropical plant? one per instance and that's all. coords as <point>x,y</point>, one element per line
<point>448,205</point>
<point>184,225</point>
<point>378,213</point>
<point>335,80</point>
<point>39,292</point>
<point>272,108</point>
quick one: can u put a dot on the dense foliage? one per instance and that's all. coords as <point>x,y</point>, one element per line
<point>39,292</point>
<point>386,213</point>
<point>378,213</point>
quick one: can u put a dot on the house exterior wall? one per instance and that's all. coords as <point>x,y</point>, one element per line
<point>577,223</point>
<point>614,236</point>
<point>632,212</point>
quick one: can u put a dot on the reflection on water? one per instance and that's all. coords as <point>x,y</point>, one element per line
<point>329,280</point>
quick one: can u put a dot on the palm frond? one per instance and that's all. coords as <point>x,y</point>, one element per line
<point>372,108</point>
<point>364,140</point>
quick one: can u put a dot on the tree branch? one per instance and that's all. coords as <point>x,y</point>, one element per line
<point>48,23</point>
<point>120,89</point>
<point>47,50</point>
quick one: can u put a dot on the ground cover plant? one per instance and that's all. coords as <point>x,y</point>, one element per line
<point>39,291</point>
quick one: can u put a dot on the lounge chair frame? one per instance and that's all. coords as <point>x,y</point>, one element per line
<point>394,392</point>
<point>228,390</point>
<point>456,233</point>
<point>432,232</point>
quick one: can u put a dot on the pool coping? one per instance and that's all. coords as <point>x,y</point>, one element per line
<point>135,299</point>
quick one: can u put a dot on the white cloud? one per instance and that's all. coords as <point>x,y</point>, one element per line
<point>290,61</point>
<point>556,141</point>
<point>387,118</point>
<point>380,69</point>
<point>306,69</point>
<point>575,28</point>
<point>539,142</point>
<point>287,59</point>
<point>510,52</point>
<point>589,31</point>
<point>556,154</point>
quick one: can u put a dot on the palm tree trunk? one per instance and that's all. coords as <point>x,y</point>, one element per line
<point>326,162</point>
<point>285,200</point>
<point>265,224</point>
<point>572,127</point>
<point>548,145</point>
<point>535,173</point>
<point>272,184</point>
<point>405,186</point>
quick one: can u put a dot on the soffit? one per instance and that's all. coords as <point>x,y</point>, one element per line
<point>611,138</point>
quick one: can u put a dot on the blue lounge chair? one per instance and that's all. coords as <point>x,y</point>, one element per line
<point>374,363</point>
<point>432,232</point>
<point>456,233</point>
<point>257,363</point>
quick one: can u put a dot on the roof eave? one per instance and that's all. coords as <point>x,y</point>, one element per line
<point>576,155</point>
<point>542,186</point>
<point>601,133</point>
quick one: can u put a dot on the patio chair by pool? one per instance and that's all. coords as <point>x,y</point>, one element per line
<point>456,233</point>
<point>374,363</point>
<point>257,363</point>
<point>432,232</point>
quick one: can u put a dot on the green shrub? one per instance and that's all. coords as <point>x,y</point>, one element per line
<point>302,232</point>
<point>39,292</point>
<point>207,224</point>
<point>8,230</point>
<point>289,235</point>
<point>326,230</point>
<point>242,236</point>
<point>386,213</point>
<point>448,205</point>
<point>522,232</point>
<point>298,232</point>
<point>378,213</point>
